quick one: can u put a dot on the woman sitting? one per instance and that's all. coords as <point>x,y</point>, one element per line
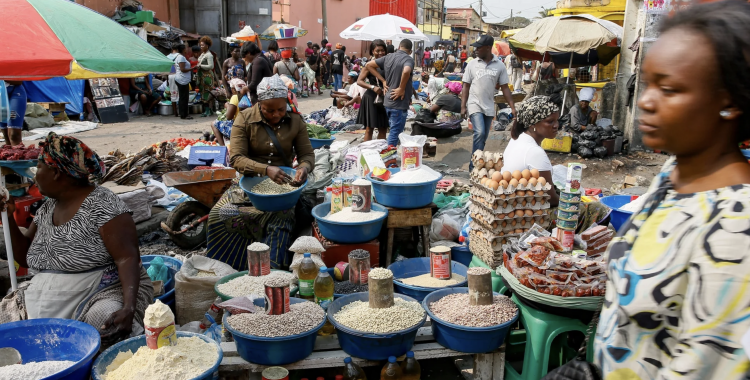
<point>223,128</point>
<point>264,137</point>
<point>447,107</point>
<point>84,245</point>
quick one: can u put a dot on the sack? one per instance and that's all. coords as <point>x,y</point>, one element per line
<point>425,116</point>
<point>514,63</point>
<point>194,295</point>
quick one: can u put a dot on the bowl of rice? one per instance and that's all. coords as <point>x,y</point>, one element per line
<point>269,196</point>
<point>348,227</point>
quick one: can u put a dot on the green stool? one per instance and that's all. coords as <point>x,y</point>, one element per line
<point>497,282</point>
<point>541,330</point>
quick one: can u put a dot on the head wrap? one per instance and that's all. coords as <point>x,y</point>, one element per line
<point>535,109</point>
<point>328,44</point>
<point>353,74</point>
<point>587,94</point>
<point>454,87</point>
<point>286,54</point>
<point>339,46</point>
<point>237,83</point>
<point>272,88</point>
<point>71,156</point>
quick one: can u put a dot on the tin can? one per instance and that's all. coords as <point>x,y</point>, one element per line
<point>277,300</point>
<point>346,194</point>
<point>411,157</point>
<point>258,262</point>
<point>569,215</point>
<point>275,373</point>
<point>341,271</point>
<point>566,237</point>
<point>569,206</point>
<point>567,196</point>
<point>359,266</point>
<point>337,195</point>
<point>361,196</point>
<point>161,336</point>
<point>440,263</point>
<point>567,223</point>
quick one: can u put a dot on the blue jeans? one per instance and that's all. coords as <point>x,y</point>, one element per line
<point>338,82</point>
<point>397,122</point>
<point>481,124</point>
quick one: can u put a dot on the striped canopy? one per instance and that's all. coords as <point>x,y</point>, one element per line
<point>59,38</point>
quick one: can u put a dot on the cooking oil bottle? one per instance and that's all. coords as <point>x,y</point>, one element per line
<point>352,371</point>
<point>391,371</point>
<point>307,272</point>
<point>323,289</point>
<point>410,368</point>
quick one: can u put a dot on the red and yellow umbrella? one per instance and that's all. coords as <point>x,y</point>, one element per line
<point>59,38</point>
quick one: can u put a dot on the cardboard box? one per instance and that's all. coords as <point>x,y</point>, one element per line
<point>152,28</point>
<point>369,159</point>
<point>630,181</point>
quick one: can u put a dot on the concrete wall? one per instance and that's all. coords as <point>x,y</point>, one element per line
<point>165,10</point>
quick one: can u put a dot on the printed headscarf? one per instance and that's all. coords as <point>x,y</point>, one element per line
<point>237,84</point>
<point>454,87</point>
<point>272,88</point>
<point>535,109</point>
<point>71,156</point>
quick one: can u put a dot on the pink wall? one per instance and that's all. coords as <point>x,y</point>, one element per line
<point>341,14</point>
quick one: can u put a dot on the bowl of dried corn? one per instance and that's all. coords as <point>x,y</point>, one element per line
<point>412,277</point>
<point>267,195</point>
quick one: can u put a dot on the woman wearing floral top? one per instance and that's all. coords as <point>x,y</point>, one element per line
<point>679,271</point>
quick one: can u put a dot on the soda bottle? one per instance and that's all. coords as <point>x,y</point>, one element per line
<point>353,371</point>
<point>410,367</point>
<point>323,289</point>
<point>391,371</point>
<point>307,271</point>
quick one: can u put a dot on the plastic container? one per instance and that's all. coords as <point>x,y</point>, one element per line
<point>419,266</point>
<point>54,339</point>
<point>174,266</point>
<point>319,143</point>
<point>462,254</point>
<point>274,351</point>
<point>403,195</point>
<point>133,344</point>
<point>271,203</point>
<point>617,217</point>
<point>348,233</point>
<point>471,340</point>
<point>372,346</point>
<point>227,278</point>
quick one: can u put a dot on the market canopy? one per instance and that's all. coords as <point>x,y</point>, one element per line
<point>59,38</point>
<point>281,31</point>
<point>384,27</point>
<point>589,40</point>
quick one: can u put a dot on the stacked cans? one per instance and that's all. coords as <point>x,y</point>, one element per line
<point>570,207</point>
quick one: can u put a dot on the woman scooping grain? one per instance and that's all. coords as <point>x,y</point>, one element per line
<point>264,137</point>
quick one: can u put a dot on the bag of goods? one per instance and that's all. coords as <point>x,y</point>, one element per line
<point>194,289</point>
<point>306,244</point>
<point>411,150</point>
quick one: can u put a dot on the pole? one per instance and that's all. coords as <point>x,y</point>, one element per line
<point>567,80</point>
<point>441,14</point>
<point>480,17</point>
<point>8,243</point>
<point>325,20</point>
<point>511,19</point>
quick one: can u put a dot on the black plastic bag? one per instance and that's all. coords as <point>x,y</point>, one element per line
<point>586,143</point>
<point>585,152</point>
<point>600,152</point>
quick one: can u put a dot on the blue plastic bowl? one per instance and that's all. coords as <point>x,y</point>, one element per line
<point>318,143</point>
<point>371,346</point>
<point>271,203</point>
<point>274,351</point>
<point>617,217</point>
<point>348,233</point>
<point>133,344</point>
<point>471,340</point>
<point>462,254</point>
<point>174,266</point>
<point>746,153</point>
<point>54,339</point>
<point>419,266</point>
<point>403,195</point>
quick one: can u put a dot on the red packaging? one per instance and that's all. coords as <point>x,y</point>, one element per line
<point>346,194</point>
<point>566,238</point>
<point>440,262</point>
<point>277,300</point>
<point>161,336</point>
<point>411,157</point>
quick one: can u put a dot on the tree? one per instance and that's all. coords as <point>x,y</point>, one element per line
<point>545,12</point>
<point>516,22</point>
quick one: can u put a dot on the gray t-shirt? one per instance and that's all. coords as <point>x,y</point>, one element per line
<point>393,65</point>
<point>483,78</point>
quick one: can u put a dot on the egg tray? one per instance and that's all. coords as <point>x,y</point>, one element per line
<point>510,189</point>
<point>489,216</point>
<point>484,252</point>
<point>505,206</point>
<point>486,193</point>
<point>500,231</point>
<point>492,247</point>
<point>498,238</point>
<point>486,156</point>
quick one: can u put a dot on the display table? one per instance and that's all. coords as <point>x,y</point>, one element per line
<point>328,354</point>
<point>402,218</point>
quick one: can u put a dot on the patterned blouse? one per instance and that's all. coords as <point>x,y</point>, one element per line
<point>678,293</point>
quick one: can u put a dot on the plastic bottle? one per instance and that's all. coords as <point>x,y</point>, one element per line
<point>410,368</point>
<point>352,371</point>
<point>391,371</point>
<point>323,288</point>
<point>307,272</point>
<point>463,236</point>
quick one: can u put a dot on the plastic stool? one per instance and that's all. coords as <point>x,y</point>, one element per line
<point>497,282</point>
<point>541,330</point>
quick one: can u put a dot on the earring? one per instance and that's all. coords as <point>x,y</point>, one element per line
<point>534,129</point>
<point>725,113</point>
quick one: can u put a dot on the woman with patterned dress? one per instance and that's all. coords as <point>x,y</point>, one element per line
<point>83,246</point>
<point>677,300</point>
<point>206,74</point>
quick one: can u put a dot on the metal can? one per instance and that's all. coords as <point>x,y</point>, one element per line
<point>566,237</point>
<point>258,262</point>
<point>440,263</point>
<point>275,373</point>
<point>359,266</point>
<point>361,195</point>
<point>277,300</point>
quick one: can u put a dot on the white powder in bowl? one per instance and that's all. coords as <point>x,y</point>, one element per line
<point>188,359</point>
<point>34,370</point>
<point>421,175</point>
<point>346,215</point>
<point>361,182</point>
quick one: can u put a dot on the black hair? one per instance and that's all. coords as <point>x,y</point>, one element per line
<point>324,42</point>
<point>389,49</point>
<point>249,48</point>
<point>406,44</point>
<point>195,48</point>
<point>343,48</point>
<point>377,43</point>
<point>179,48</point>
<point>273,46</point>
<point>726,24</point>
<point>316,46</point>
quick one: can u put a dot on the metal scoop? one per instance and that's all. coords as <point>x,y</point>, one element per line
<point>9,356</point>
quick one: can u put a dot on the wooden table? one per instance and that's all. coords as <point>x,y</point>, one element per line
<point>401,218</point>
<point>55,107</point>
<point>328,354</point>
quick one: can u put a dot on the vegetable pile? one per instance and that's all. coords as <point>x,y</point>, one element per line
<point>19,152</point>
<point>181,143</point>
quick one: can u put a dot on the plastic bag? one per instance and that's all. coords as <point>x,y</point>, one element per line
<point>239,305</point>
<point>158,271</point>
<point>445,227</point>
<point>600,152</point>
<point>411,150</point>
<point>193,327</point>
<point>213,331</point>
<point>194,295</point>
<point>585,152</point>
<point>586,143</point>
<point>443,201</point>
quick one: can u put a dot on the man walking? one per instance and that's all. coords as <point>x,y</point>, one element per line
<point>398,68</point>
<point>338,58</point>
<point>482,78</point>
<point>514,66</point>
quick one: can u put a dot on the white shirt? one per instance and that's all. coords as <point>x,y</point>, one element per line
<point>355,90</point>
<point>524,153</point>
<point>484,77</point>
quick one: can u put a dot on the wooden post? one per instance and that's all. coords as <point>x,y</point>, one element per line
<point>381,292</point>
<point>480,286</point>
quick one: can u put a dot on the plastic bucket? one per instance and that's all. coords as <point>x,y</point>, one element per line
<point>133,344</point>
<point>419,266</point>
<point>617,217</point>
<point>274,351</point>
<point>403,195</point>
<point>271,203</point>
<point>462,254</point>
<point>227,278</point>
<point>54,339</point>
<point>372,346</point>
<point>471,340</point>
<point>348,233</point>
<point>174,266</point>
<point>319,143</point>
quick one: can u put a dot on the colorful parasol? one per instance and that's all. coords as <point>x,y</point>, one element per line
<point>281,31</point>
<point>59,38</point>
<point>384,27</point>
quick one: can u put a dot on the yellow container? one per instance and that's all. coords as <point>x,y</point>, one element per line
<point>561,143</point>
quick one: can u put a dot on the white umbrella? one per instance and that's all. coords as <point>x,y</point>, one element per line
<point>384,27</point>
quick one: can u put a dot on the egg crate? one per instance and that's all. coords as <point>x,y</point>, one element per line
<point>502,207</point>
<point>487,194</point>
<point>497,239</point>
<point>490,216</point>
<point>508,227</point>
<point>482,249</point>
<point>512,189</point>
<point>487,160</point>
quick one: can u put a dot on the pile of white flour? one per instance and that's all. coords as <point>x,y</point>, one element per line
<point>33,370</point>
<point>188,359</point>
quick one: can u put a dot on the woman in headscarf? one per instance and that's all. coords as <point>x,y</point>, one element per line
<point>285,66</point>
<point>581,114</point>
<point>261,68</point>
<point>537,120</point>
<point>223,128</point>
<point>233,67</point>
<point>371,114</point>
<point>264,138</point>
<point>206,74</point>
<point>447,107</point>
<point>84,246</point>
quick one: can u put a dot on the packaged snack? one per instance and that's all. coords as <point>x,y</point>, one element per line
<point>337,195</point>
<point>573,179</point>
<point>584,290</point>
<point>534,232</point>
<point>547,242</point>
<point>594,233</point>
<point>563,277</point>
<point>536,257</point>
<point>561,262</point>
<point>557,290</point>
<point>411,150</point>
